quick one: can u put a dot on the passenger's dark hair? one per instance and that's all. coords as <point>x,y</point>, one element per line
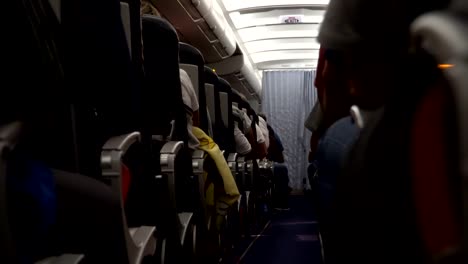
<point>262,115</point>
<point>237,97</point>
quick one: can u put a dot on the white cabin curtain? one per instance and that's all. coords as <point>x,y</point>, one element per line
<point>287,99</point>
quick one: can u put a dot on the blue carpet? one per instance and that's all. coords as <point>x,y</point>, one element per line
<point>291,237</point>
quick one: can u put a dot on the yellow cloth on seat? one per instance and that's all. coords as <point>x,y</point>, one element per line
<point>230,194</point>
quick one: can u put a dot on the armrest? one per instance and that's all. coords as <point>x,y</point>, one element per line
<point>241,164</point>
<point>357,116</point>
<point>9,136</point>
<point>198,154</point>
<point>249,173</point>
<point>265,167</point>
<point>172,147</point>
<point>144,238</point>
<point>184,220</point>
<point>232,162</point>
<point>158,138</point>
<point>198,161</point>
<point>63,259</point>
<point>111,157</point>
<point>168,155</point>
<point>111,164</point>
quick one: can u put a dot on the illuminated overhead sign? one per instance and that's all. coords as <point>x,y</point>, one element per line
<point>291,19</point>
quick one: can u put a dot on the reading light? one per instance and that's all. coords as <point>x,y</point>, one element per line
<point>445,66</point>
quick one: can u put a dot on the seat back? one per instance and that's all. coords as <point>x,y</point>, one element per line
<point>131,20</point>
<point>49,136</point>
<point>404,148</point>
<point>192,61</point>
<point>165,111</point>
<point>225,100</point>
<point>213,105</point>
<point>443,37</point>
<point>102,86</point>
<point>162,94</point>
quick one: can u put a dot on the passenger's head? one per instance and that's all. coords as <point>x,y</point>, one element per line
<point>336,99</point>
<point>148,8</point>
<point>189,97</point>
<point>242,102</point>
<point>373,37</point>
<point>237,97</point>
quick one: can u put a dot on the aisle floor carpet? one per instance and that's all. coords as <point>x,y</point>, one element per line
<point>290,237</point>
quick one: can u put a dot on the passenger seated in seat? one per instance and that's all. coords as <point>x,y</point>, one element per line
<point>280,171</point>
<point>190,100</point>
<point>260,150</point>
<point>373,206</point>
<point>333,148</point>
<point>243,146</point>
<point>222,193</point>
<point>334,98</point>
<point>275,148</point>
<point>264,129</point>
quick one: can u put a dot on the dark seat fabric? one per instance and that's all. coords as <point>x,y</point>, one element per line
<point>217,123</point>
<point>281,180</point>
<point>373,196</point>
<point>32,60</point>
<point>54,212</point>
<point>162,93</point>
<point>163,101</point>
<point>66,124</point>
<point>190,55</point>
<point>136,51</point>
<point>275,150</point>
<point>331,153</point>
<point>374,206</point>
<point>225,87</point>
<point>89,219</point>
<point>31,204</point>
<point>100,80</point>
<point>435,178</point>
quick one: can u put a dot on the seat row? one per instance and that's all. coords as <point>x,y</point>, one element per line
<point>95,163</point>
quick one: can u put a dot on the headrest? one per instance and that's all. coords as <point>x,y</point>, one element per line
<point>224,86</point>
<point>158,36</point>
<point>459,6</point>
<point>162,93</point>
<point>190,55</point>
<point>238,97</point>
<point>211,76</point>
<point>161,52</point>
<point>346,24</point>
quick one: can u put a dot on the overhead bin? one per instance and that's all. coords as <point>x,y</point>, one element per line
<point>238,71</point>
<point>213,15</point>
<point>228,66</point>
<point>245,82</point>
<point>250,75</point>
<point>202,24</point>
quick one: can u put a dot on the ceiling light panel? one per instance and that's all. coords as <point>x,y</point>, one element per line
<point>235,5</point>
<point>279,31</point>
<point>282,44</point>
<point>273,17</point>
<point>287,64</point>
<point>284,55</point>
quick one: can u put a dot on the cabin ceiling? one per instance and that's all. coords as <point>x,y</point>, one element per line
<point>242,38</point>
<point>267,40</point>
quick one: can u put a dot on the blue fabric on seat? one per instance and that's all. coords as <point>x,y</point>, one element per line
<point>331,153</point>
<point>32,204</point>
